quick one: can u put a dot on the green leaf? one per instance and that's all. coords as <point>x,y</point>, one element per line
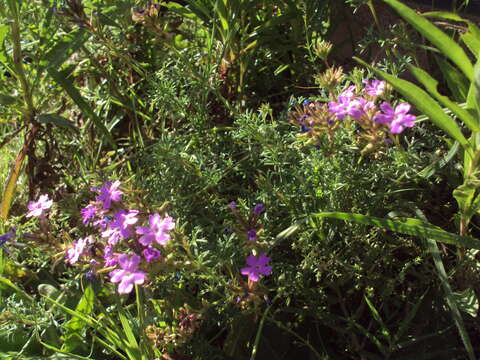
<point>476,88</point>
<point>7,100</point>
<point>471,38</point>
<point>75,95</point>
<point>64,49</point>
<point>15,288</point>
<point>3,34</point>
<point>464,195</point>
<point>56,120</point>
<point>12,179</point>
<point>430,169</point>
<point>437,37</point>
<point>467,301</point>
<point>456,81</point>
<point>407,226</point>
<point>431,86</point>
<point>423,102</point>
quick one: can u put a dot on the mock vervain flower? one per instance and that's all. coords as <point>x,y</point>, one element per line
<point>374,87</point>
<point>88,212</point>
<point>258,209</point>
<point>79,248</point>
<point>157,231</point>
<point>257,266</point>
<point>110,258</point>
<point>150,254</point>
<point>252,235</point>
<point>8,236</point>
<point>120,226</point>
<point>128,275</point>
<point>109,192</point>
<point>38,207</point>
<point>397,118</point>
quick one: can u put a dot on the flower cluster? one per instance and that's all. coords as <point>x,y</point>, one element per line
<point>120,240</point>
<point>378,120</point>
<point>257,265</point>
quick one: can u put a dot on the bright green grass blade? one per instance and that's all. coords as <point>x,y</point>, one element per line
<point>437,37</point>
<point>75,325</point>
<point>432,247</point>
<point>407,226</point>
<point>431,86</point>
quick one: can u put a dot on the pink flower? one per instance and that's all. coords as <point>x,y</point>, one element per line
<point>346,105</point>
<point>150,254</point>
<point>258,266</point>
<point>157,231</point>
<point>397,118</point>
<point>109,192</point>
<point>79,248</point>
<point>128,275</point>
<point>111,258</point>
<point>37,208</point>
<point>120,226</point>
<point>374,87</point>
<point>88,212</point>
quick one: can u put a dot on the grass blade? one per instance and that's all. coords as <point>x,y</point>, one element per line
<point>407,226</point>
<point>437,37</point>
<point>431,85</point>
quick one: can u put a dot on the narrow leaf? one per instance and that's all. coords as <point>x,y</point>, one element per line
<point>7,100</point>
<point>431,86</point>
<point>407,226</point>
<point>15,288</point>
<point>56,120</point>
<point>437,37</point>
<point>3,34</point>
<point>75,95</point>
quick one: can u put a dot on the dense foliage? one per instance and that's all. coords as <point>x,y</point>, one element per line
<point>238,180</point>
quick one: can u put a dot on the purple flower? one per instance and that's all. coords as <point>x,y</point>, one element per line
<point>88,212</point>
<point>397,118</point>
<point>8,236</point>
<point>349,92</point>
<point>257,266</point>
<point>111,258</point>
<point>258,209</point>
<point>128,275</point>
<point>252,235</point>
<point>355,107</point>
<point>119,227</point>
<point>79,248</point>
<point>109,192</point>
<point>151,254</point>
<point>232,205</point>
<point>157,231</point>
<point>374,87</point>
<point>37,208</point>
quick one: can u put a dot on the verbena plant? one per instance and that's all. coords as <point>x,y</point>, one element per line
<point>442,111</point>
